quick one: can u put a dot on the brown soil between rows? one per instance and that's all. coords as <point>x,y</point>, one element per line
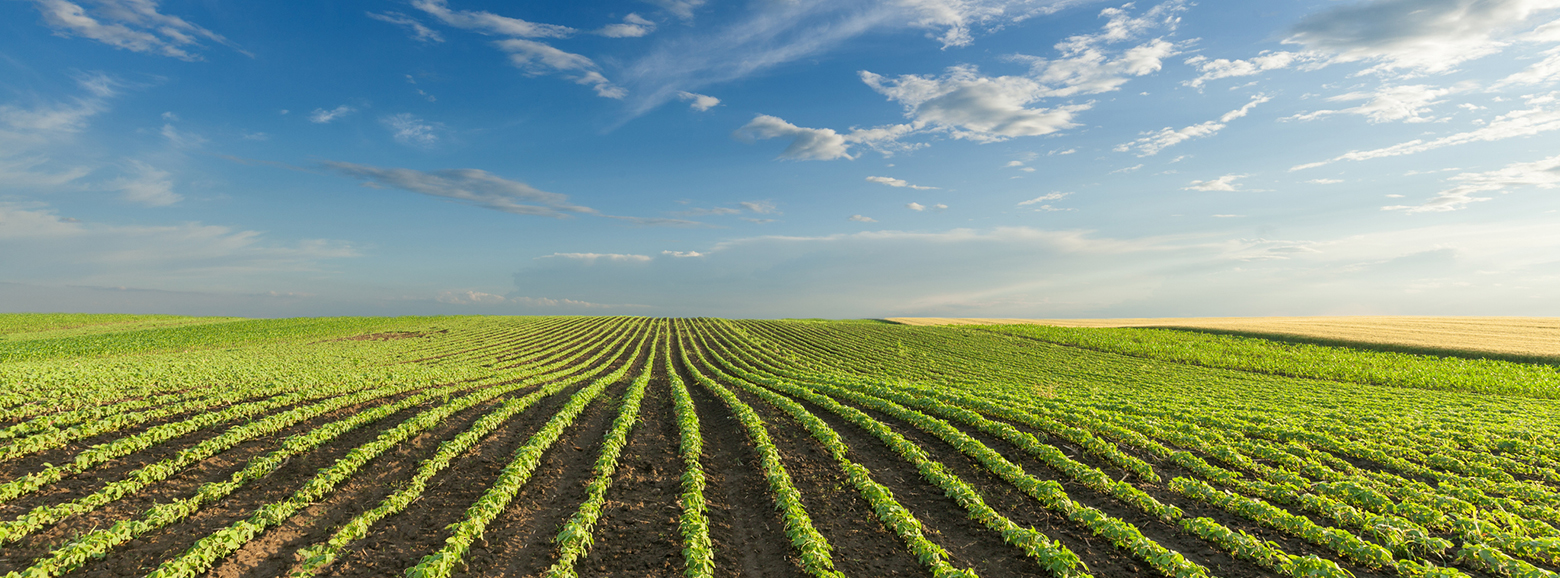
<point>862,545</point>
<point>638,533</point>
<point>216,467</point>
<point>143,554</point>
<point>24,465</point>
<point>399,541</point>
<point>747,532</point>
<point>272,554</point>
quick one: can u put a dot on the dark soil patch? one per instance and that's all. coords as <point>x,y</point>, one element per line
<point>400,541</point>
<point>638,534</point>
<point>519,542</point>
<point>143,554</point>
<point>389,336</point>
<point>272,553</point>
<point>747,532</point>
<point>862,545</point>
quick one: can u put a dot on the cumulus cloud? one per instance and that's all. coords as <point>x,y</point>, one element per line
<point>1387,104</point>
<point>1088,66</point>
<point>133,25</point>
<point>1167,137</point>
<point>407,129</point>
<point>470,186</point>
<point>322,116</point>
<point>420,32</point>
<point>893,182</point>
<point>1420,35</point>
<point>807,144</point>
<point>538,58</point>
<point>969,106</point>
<point>633,26</point>
<point>146,185</point>
<point>861,219</point>
<point>1543,174</point>
<point>915,206</point>
<point>1542,117</point>
<point>489,23</point>
<point>1224,183</point>
<point>699,102</point>
<point>594,257</point>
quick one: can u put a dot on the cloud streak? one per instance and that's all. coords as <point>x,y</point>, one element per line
<point>468,186</point>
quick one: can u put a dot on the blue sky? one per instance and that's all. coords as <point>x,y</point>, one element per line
<point>765,158</point>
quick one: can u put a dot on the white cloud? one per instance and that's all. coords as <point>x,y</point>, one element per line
<point>1132,168</point>
<point>680,8</point>
<point>410,130</point>
<point>1224,183</point>
<point>761,207</point>
<point>490,23</point>
<point>915,206</point>
<point>538,58</point>
<point>322,116</point>
<point>469,298</point>
<point>146,185</point>
<point>419,32</point>
<point>861,219</point>
<point>1052,196</point>
<point>1325,181</point>
<point>471,186</point>
<point>699,102</point>
<point>1059,153</point>
<point>1386,104</point>
<point>1543,174</point>
<point>633,26</point>
<point>1222,68</point>
<point>1086,66</point>
<point>893,182</point>
<point>683,254</point>
<point>20,173</point>
<point>1167,137</point>
<point>42,246</point>
<point>1227,216</point>
<point>969,106</point>
<point>181,139</point>
<point>133,25</point>
<point>1518,123</point>
<point>1420,35</point>
<point>593,257</point>
<point>1542,72</point>
<point>807,144</point>
<point>702,212</point>
<point>1014,164</point>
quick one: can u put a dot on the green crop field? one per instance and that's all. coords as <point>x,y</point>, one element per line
<point>628,446</point>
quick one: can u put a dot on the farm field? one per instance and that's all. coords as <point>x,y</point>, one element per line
<point>631,446</point>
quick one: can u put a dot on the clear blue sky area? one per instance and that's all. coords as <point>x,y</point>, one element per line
<point>818,158</point>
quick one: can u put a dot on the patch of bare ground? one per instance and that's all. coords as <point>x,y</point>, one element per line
<point>1169,535</point>
<point>747,532</point>
<point>862,545</point>
<point>143,554</point>
<point>637,534</point>
<point>389,335</point>
<point>399,541</point>
<point>16,468</point>
<point>272,554</point>
<point>519,542</point>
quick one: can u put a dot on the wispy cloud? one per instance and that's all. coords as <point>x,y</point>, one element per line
<point>1542,117</point>
<point>538,58</point>
<point>483,22</point>
<point>1224,183</point>
<point>816,144</point>
<point>1434,36</point>
<point>861,219</point>
<point>322,116</point>
<point>1052,196</point>
<point>146,185</point>
<point>633,26</point>
<point>133,25</point>
<point>420,32</point>
<point>893,182</point>
<point>469,186</point>
<point>408,129</point>
<point>1543,174</point>
<point>1387,104</point>
<point>1167,137</point>
<point>594,257</point>
<point>699,102</point>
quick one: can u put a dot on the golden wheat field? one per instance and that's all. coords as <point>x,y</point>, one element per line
<point>1527,336</point>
